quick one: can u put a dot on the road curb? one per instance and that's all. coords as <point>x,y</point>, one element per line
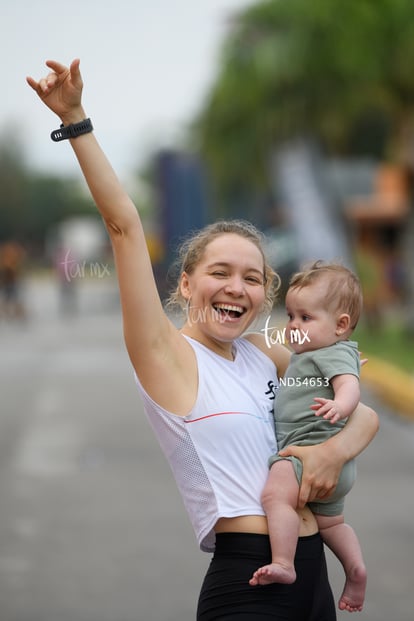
<point>394,386</point>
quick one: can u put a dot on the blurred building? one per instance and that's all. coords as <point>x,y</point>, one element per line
<point>309,203</point>
<point>376,202</point>
<point>182,203</point>
<point>351,210</point>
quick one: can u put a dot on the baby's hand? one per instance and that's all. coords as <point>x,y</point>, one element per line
<point>362,361</point>
<point>328,409</point>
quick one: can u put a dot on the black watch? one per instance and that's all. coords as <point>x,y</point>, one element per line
<point>72,131</point>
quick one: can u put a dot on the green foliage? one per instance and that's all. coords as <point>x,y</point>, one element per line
<point>51,199</point>
<point>30,203</point>
<point>340,70</point>
<point>388,341</point>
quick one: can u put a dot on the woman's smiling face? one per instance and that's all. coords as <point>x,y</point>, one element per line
<point>225,292</point>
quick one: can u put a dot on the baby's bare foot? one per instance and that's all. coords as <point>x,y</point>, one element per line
<point>352,598</point>
<point>273,573</point>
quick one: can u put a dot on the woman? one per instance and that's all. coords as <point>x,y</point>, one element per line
<point>212,411</point>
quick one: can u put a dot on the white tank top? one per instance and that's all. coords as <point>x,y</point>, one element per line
<point>218,453</point>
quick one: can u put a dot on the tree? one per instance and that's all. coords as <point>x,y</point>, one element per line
<point>327,67</point>
<point>339,72</point>
<point>31,202</point>
<point>12,184</point>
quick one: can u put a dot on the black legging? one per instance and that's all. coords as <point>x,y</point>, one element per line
<point>227,596</point>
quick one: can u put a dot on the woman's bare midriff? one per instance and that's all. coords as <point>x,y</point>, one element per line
<point>258,524</point>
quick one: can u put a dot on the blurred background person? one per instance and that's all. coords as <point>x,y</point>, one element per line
<point>12,256</point>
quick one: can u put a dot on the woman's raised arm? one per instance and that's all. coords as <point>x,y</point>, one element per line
<point>146,327</point>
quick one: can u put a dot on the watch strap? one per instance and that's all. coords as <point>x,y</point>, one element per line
<point>72,131</point>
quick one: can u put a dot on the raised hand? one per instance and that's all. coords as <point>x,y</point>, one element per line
<point>61,90</point>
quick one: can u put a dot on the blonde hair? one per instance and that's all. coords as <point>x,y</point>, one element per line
<point>192,250</point>
<point>344,291</point>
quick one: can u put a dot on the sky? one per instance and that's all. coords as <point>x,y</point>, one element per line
<point>146,66</point>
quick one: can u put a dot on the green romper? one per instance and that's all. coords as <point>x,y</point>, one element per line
<point>307,376</point>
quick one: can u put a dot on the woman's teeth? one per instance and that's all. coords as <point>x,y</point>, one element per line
<point>229,309</point>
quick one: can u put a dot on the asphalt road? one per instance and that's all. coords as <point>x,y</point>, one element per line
<point>91,525</point>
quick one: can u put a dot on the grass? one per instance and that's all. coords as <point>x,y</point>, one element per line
<point>388,342</point>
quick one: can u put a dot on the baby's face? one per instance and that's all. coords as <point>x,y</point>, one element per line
<point>311,325</point>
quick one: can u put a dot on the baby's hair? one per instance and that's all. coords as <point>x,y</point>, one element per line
<point>192,250</point>
<point>343,294</point>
